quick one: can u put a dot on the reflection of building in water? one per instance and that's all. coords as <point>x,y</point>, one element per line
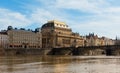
<point>19,38</point>
<point>59,68</point>
<point>58,34</point>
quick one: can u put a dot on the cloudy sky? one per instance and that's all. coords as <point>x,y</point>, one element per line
<point>84,16</point>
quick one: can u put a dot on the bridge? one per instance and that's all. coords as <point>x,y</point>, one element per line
<point>87,50</point>
<point>83,51</point>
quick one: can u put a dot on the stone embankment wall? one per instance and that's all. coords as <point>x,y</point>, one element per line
<point>81,51</point>
<point>2,52</point>
<point>22,51</point>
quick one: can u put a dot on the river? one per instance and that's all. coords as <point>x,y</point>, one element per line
<point>59,64</point>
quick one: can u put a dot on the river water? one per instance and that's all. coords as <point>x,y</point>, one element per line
<point>60,64</point>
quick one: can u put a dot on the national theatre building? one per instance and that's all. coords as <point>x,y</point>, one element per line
<point>57,34</point>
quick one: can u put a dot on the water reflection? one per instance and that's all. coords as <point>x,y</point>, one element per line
<point>59,64</point>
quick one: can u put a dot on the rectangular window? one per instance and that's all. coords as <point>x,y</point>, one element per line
<point>10,45</point>
<point>66,41</point>
<point>44,40</point>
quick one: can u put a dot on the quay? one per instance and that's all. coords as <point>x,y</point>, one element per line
<point>108,50</point>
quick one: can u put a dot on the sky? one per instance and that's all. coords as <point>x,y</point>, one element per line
<point>101,17</point>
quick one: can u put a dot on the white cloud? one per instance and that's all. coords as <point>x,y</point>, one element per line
<point>93,6</point>
<point>41,16</point>
<point>103,17</point>
<point>8,17</point>
<point>103,21</point>
<point>112,10</point>
<point>103,26</point>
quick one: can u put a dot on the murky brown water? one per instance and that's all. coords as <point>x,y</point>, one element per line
<point>59,64</point>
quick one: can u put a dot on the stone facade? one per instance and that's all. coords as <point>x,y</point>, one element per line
<point>107,41</point>
<point>24,39</point>
<point>58,34</point>
<point>3,40</point>
<point>117,41</point>
<point>53,34</point>
<point>94,40</point>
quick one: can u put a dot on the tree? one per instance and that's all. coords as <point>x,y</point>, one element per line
<point>37,29</point>
<point>22,28</point>
<point>15,28</point>
<point>9,28</point>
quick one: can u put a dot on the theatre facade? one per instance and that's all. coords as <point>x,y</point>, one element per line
<point>57,34</point>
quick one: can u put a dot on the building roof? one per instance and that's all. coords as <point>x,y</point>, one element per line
<point>55,23</point>
<point>5,33</point>
<point>92,36</point>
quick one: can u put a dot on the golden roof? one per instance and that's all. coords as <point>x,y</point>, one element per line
<point>57,22</point>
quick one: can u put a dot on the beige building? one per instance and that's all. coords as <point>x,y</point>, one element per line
<point>91,40</point>
<point>24,39</point>
<point>108,41</point>
<point>3,40</point>
<point>117,41</point>
<point>94,40</point>
<point>58,34</point>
